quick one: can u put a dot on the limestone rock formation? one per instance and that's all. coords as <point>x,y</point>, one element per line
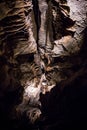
<point>42,52</point>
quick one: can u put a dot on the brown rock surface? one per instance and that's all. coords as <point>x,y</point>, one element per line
<point>43,59</point>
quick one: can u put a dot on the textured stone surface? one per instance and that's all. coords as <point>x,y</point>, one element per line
<point>42,53</point>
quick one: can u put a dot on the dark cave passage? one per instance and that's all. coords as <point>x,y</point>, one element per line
<point>43,64</point>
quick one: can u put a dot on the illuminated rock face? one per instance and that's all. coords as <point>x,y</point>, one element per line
<point>42,46</point>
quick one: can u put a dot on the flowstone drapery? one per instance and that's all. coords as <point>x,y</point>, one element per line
<point>42,45</point>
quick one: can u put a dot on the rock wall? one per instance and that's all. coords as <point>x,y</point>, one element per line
<point>42,53</point>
